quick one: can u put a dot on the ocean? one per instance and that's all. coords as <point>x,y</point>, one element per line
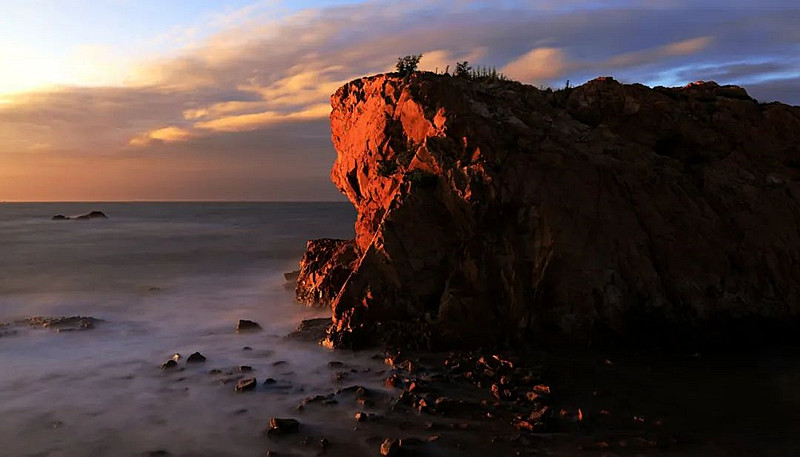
<point>164,278</point>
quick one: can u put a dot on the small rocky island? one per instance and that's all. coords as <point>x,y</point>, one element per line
<point>492,211</point>
<point>82,217</point>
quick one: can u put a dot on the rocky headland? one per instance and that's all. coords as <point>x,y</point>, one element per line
<point>491,211</point>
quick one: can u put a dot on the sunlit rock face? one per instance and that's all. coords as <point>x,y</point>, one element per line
<point>492,211</point>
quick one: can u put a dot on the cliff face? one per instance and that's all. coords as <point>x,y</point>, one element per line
<point>493,210</point>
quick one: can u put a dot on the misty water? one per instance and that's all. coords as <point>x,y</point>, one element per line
<point>164,278</point>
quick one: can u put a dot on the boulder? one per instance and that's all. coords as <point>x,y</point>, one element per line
<point>278,426</point>
<point>246,384</point>
<point>245,325</point>
<point>196,358</point>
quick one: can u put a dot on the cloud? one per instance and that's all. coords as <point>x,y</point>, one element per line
<point>248,122</point>
<point>169,134</point>
<point>538,65</point>
<point>659,53</point>
<point>252,100</point>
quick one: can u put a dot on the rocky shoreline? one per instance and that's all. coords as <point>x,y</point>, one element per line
<point>524,401</point>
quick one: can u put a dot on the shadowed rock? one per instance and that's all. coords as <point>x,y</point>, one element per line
<point>63,324</point>
<point>279,426</point>
<point>196,358</point>
<point>245,325</point>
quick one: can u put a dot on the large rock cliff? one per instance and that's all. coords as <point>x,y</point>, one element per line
<point>492,210</point>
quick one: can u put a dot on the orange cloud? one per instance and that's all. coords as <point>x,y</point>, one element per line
<point>679,48</point>
<point>169,134</point>
<point>686,47</point>
<point>249,122</point>
<point>538,65</point>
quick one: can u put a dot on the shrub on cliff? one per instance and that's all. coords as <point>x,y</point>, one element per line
<point>463,69</point>
<point>408,64</point>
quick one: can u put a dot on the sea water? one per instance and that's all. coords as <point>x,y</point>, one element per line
<point>164,278</point>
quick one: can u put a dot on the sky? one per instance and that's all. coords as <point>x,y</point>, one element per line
<point>120,100</point>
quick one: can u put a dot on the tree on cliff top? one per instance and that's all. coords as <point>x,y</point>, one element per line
<point>408,64</point>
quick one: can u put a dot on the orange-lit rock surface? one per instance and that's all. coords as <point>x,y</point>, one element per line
<point>490,211</point>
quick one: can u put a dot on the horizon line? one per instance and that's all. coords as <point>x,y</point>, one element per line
<point>171,201</point>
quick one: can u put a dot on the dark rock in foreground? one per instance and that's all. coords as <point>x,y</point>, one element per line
<point>278,426</point>
<point>196,358</point>
<point>390,447</point>
<point>311,329</point>
<point>490,211</point>
<point>246,384</point>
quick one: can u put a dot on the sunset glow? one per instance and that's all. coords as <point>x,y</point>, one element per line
<point>135,91</point>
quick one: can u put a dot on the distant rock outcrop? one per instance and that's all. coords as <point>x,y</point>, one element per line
<point>491,210</point>
<point>92,215</point>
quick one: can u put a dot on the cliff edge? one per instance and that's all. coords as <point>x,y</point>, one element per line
<point>491,211</point>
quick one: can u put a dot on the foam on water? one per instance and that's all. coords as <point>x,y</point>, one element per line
<point>165,278</point>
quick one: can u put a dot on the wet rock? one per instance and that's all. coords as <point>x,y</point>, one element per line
<point>176,357</point>
<point>245,369</point>
<point>280,426</point>
<point>542,389</point>
<point>63,324</point>
<point>270,381</point>
<point>324,444</point>
<point>245,325</point>
<point>390,447</point>
<point>246,384</point>
<point>196,358</point>
<point>361,416</point>
<point>291,277</point>
<point>157,453</point>
<point>169,364</point>
<point>279,363</point>
<point>312,330</point>
<point>247,348</point>
<point>326,400</point>
<point>59,217</point>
